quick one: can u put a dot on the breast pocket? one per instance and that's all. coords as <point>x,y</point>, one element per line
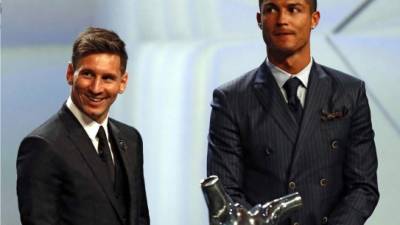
<point>336,127</point>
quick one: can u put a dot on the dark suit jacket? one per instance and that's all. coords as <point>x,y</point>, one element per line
<point>260,153</point>
<point>61,179</point>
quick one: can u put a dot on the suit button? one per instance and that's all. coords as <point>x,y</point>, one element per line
<point>334,144</point>
<point>296,223</point>
<point>125,219</point>
<point>123,145</point>
<point>267,151</point>
<point>292,185</point>
<point>324,220</point>
<point>323,182</point>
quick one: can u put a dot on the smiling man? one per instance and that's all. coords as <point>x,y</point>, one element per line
<point>293,125</point>
<point>80,166</point>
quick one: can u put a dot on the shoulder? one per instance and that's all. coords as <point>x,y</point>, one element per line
<point>343,79</point>
<point>347,89</point>
<point>43,142</point>
<point>239,84</point>
<point>125,129</point>
<point>236,95</point>
<point>49,130</point>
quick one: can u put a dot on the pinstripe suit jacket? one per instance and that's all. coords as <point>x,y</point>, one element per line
<point>261,153</point>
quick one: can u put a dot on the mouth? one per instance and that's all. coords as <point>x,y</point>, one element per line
<point>283,33</point>
<point>95,100</point>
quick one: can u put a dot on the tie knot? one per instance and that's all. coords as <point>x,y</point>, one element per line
<point>291,86</point>
<point>101,134</point>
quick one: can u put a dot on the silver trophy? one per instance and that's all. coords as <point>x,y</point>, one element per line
<point>223,211</point>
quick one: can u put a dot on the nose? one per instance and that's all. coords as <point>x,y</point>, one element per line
<point>96,87</point>
<point>282,18</point>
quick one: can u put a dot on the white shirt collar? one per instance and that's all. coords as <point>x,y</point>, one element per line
<point>91,127</point>
<point>282,76</point>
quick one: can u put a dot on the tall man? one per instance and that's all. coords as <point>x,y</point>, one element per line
<point>295,125</point>
<point>81,167</point>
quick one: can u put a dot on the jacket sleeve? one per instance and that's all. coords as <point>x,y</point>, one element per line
<point>144,218</point>
<point>38,182</point>
<point>360,179</point>
<point>225,150</point>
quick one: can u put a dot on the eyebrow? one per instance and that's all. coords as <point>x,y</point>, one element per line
<point>293,2</point>
<point>302,6</point>
<point>290,4</point>
<point>86,70</point>
<point>265,4</point>
<point>109,75</point>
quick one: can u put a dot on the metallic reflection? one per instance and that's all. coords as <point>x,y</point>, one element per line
<point>223,211</point>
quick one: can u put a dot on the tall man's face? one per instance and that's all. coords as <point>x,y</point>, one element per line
<point>96,82</point>
<point>286,25</point>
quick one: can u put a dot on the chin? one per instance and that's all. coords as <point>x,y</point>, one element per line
<point>92,114</point>
<point>283,51</point>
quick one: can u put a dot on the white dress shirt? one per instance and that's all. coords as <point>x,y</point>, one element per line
<point>282,76</point>
<point>90,126</point>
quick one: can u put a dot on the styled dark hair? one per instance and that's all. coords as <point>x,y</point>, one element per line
<point>98,40</point>
<point>313,4</point>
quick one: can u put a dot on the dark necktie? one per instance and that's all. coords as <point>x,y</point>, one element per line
<point>105,152</point>
<point>294,104</point>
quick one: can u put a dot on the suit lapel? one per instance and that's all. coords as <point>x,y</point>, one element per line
<point>128,158</point>
<point>270,97</point>
<point>82,142</point>
<point>318,96</point>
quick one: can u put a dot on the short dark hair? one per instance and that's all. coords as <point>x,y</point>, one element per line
<point>98,40</point>
<point>313,4</point>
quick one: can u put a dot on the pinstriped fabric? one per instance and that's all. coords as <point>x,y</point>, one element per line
<point>257,148</point>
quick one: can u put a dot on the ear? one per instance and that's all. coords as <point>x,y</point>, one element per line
<point>70,74</point>
<point>315,19</point>
<point>259,22</point>
<point>124,82</point>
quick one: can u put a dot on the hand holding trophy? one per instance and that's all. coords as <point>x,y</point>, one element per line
<point>223,211</point>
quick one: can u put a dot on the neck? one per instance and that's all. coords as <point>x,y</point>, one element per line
<point>291,63</point>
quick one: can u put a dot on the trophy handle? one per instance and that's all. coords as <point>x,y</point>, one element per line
<point>223,211</point>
